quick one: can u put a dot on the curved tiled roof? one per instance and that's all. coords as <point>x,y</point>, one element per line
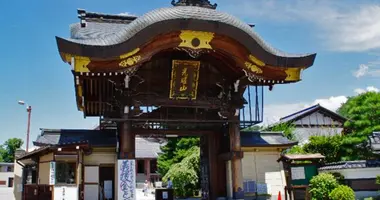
<point>103,34</point>
<point>351,165</point>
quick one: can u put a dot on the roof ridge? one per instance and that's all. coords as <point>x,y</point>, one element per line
<point>303,110</point>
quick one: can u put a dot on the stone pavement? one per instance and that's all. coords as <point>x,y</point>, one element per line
<point>6,193</point>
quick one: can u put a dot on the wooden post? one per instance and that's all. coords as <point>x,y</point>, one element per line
<point>147,169</point>
<point>236,164</point>
<point>127,138</point>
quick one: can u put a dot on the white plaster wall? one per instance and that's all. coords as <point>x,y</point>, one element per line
<point>317,119</point>
<point>303,134</point>
<point>263,167</point>
<point>4,176</point>
<point>360,173</point>
<point>17,186</point>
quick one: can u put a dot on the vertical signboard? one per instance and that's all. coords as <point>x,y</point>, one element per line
<point>126,173</point>
<point>52,173</point>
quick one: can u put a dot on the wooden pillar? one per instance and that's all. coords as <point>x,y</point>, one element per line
<point>147,169</point>
<point>213,155</point>
<point>236,164</point>
<point>126,138</point>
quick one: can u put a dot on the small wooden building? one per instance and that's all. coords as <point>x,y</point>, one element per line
<point>79,160</point>
<point>299,170</point>
<point>262,174</point>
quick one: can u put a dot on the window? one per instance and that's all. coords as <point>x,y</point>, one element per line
<point>140,166</point>
<point>9,169</point>
<point>65,172</point>
<point>153,166</point>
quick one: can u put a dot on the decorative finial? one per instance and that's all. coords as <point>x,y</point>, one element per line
<point>199,3</point>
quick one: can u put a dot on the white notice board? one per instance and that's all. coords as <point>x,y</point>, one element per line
<point>65,193</point>
<point>298,173</point>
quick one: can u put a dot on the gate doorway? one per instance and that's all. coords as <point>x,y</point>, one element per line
<point>107,181</point>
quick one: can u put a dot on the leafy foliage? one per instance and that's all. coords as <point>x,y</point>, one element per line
<point>296,150</point>
<point>342,192</point>
<point>286,128</point>
<point>185,175</point>
<point>363,114</point>
<point>378,179</point>
<point>329,146</point>
<point>8,149</point>
<point>339,177</point>
<point>322,185</point>
<point>173,152</point>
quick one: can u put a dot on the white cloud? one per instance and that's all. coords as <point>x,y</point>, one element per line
<point>370,69</point>
<point>273,112</point>
<point>368,89</point>
<point>362,71</point>
<point>344,26</point>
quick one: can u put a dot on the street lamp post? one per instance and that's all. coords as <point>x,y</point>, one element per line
<point>29,110</point>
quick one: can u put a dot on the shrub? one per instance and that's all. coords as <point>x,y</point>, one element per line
<point>378,179</point>
<point>342,192</point>
<point>321,186</point>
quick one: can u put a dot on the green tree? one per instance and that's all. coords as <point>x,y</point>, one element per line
<point>8,149</point>
<point>329,146</point>
<point>174,152</point>
<point>286,128</point>
<point>363,114</point>
<point>185,174</point>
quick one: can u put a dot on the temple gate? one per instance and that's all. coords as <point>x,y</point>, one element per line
<point>186,70</point>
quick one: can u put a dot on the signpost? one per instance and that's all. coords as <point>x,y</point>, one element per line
<point>126,171</point>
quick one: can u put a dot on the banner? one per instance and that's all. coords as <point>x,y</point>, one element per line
<point>126,173</point>
<point>52,173</point>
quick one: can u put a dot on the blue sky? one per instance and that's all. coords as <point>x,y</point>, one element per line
<point>344,34</point>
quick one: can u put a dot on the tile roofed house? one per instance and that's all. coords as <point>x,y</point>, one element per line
<point>374,142</point>
<point>314,120</point>
<point>263,139</point>
<point>98,147</point>
<point>260,167</point>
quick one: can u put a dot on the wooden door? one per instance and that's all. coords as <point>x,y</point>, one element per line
<point>107,181</point>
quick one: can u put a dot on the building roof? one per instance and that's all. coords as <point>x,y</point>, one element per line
<point>164,20</point>
<point>145,147</point>
<point>264,139</point>
<point>303,156</point>
<point>351,165</point>
<point>6,164</point>
<point>374,142</point>
<point>308,111</point>
<point>95,138</point>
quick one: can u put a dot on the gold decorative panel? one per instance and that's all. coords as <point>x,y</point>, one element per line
<point>196,39</point>
<point>184,79</point>
<point>293,74</point>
